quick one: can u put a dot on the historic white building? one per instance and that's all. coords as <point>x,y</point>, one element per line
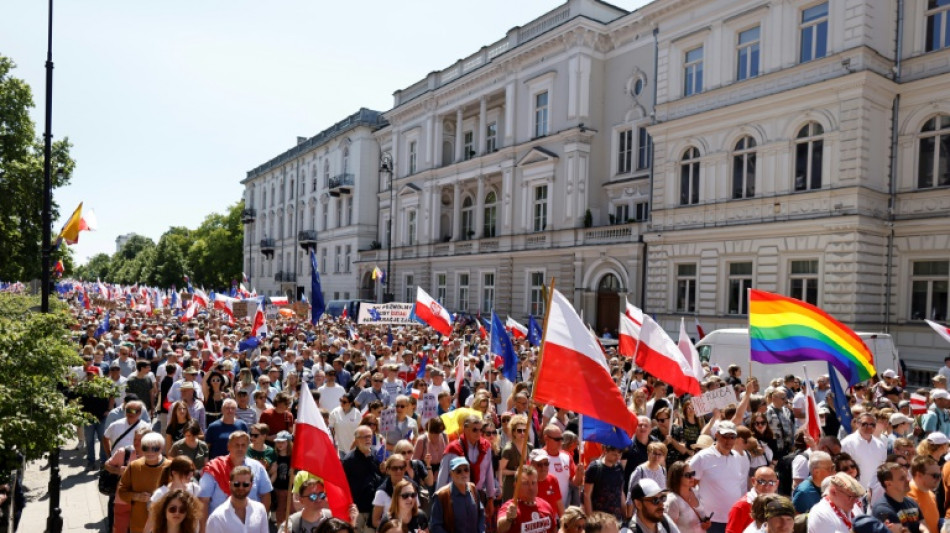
<point>321,195</point>
<point>677,155</point>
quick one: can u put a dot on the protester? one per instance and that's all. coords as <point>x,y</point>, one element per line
<point>177,511</point>
<point>526,507</point>
<point>456,507</point>
<point>141,479</point>
<point>239,512</point>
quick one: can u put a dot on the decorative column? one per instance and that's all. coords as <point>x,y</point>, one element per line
<point>457,212</point>
<point>458,135</point>
<point>480,207</point>
<point>482,110</point>
<point>437,143</point>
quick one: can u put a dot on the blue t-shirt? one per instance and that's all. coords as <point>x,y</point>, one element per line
<point>218,433</point>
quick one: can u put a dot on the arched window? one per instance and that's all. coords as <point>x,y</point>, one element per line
<point>291,188</point>
<point>609,283</point>
<point>313,175</point>
<point>689,177</point>
<point>326,173</point>
<point>743,168</point>
<point>491,215</point>
<point>932,161</point>
<point>468,218</point>
<point>809,147</point>
<point>346,159</point>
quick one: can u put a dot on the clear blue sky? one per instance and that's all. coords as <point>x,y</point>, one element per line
<point>169,104</point>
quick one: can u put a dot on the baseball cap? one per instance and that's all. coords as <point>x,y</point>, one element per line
<point>939,394</point>
<point>779,507</point>
<point>900,418</point>
<point>457,462</point>
<point>727,428</point>
<point>889,374</point>
<point>538,454</point>
<point>936,437</point>
<point>646,488</point>
<point>283,436</point>
<point>868,524</point>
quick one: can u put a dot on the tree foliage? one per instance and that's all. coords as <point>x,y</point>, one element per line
<point>35,359</point>
<point>210,254</point>
<point>21,178</point>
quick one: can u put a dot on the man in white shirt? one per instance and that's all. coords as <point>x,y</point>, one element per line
<point>438,382</point>
<point>945,369</point>
<point>866,450</point>
<point>723,475</point>
<point>239,513</point>
<point>344,420</point>
<point>330,392</point>
<point>561,463</point>
<point>835,512</point>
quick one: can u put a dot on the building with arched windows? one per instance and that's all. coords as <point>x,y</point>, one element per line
<point>676,156</point>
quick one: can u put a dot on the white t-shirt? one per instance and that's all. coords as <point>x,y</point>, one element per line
<point>823,519</point>
<point>723,479</point>
<point>560,468</point>
<point>868,456</point>
<point>344,425</point>
<point>798,402</point>
<point>330,396</point>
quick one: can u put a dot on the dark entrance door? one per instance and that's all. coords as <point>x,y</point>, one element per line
<point>608,304</point>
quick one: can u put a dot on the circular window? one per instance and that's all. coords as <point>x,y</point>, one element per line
<point>638,86</point>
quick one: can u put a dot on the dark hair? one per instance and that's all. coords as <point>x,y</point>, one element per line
<point>920,463</point>
<point>674,475</point>
<point>334,525</point>
<point>190,503</point>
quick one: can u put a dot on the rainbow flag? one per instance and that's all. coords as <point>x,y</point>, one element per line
<point>786,330</point>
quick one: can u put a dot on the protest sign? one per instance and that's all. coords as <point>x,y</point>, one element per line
<point>387,420</point>
<point>391,313</point>
<point>302,309</point>
<point>715,399</point>
<point>240,309</point>
<point>428,408</point>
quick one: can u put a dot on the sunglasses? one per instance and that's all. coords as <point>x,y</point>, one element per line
<point>255,435</point>
<point>174,509</point>
<point>521,430</point>
<point>657,500</point>
<point>397,467</point>
<point>659,454</point>
<point>151,448</point>
<point>558,439</point>
<point>543,463</point>
<point>461,470</point>
<point>689,475</point>
<point>407,495</point>
<point>762,424</point>
<point>317,496</point>
<point>868,424</point>
<point>241,484</point>
<point>766,482</point>
<point>133,411</point>
<point>662,419</point>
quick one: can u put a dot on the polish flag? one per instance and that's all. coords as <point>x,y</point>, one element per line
<point>103,290</point>
<point>660,356</point>
<point>941,330</point>
<point>226,304</point>
<point>517,330</point>
<point>279,300</point>
<point>629,336</point>
<point>699,329</point>
<point>571,351</point>
<point>190,312</point>
<point>201,298</point>
<point>918,404</point>
<point>260,325</point>
<point>430,312</point>
<point>812,422</point>
<point>314,452</point>
<point>634,313</point>
<point>689,352</point>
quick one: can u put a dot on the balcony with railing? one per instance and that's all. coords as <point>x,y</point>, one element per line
<point>341,184</point>
<point>267,246</point>
<point>248,215</point>
<point>307,238</point>
<point>285,276</point>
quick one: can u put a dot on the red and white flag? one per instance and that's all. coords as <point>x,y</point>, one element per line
<point>918,404</point>
<point>517,330</point>
<point>634,313</point>
<point>574,374</point>
<point>629,337</point>
<point>699,329</point>
<point>225,304</point>
<point>812,422</point>
<point>190,312</point>
<point>279,301</point>
<point>260,324</point>
<point>201,298</point>
<point>941,330</point>
<point>689,352</point>
<point>432,313</point>
<point>314,452</point>
<point>660,356</point>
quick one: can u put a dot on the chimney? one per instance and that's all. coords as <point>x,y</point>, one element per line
<point>301,140</point>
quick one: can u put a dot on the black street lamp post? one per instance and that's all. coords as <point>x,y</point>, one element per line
<point>386,167</point>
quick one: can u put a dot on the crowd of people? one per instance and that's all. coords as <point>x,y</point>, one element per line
<point>200,436</point>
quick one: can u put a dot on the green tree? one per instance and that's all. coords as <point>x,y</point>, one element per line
<point>169,265</point>
<point>35,361</point>
<point>21,179</point>
<point>99,266</point>
<point>215,255</point>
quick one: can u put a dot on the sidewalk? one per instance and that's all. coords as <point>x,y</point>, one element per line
<point>83,508</point>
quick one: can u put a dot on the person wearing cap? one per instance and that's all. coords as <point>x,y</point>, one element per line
<point>649,502</point>
<point>835,512</point>
<point>936,417</point>
<point>939,381</point>
<point>900,427</point>
<point>456,507</point>
<point>548,487</point>
<point>926,478</point>
<point>526,512</point>
<point>196,408</point>
<point>189,374</point>
<point>477,449</point>
<point>808,492</point>
<point>562,463</point>
<point>867,451</point>
<point>723,475</point>
<point>896,507</point>
<point>779,516</point>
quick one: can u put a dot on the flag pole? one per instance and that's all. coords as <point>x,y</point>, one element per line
<point>548,293</point>
<point>748,296</point>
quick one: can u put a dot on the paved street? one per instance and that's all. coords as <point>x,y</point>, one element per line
<point>84,509</point>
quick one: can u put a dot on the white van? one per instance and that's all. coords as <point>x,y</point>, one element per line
<point>725,347</point>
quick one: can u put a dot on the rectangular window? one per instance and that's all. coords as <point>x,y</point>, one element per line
<point>412,157</point>
<point>621,213</point>
<point>930,284</point>
<point>740,280</point>
<point>339,213</point>
<point>814,32</point>
<point>641,211</point>
<point>693,72</point>
<point>346,258</point>
<point>536,294</point>
<point>468,147</point>
<point>686,288</point>
<point>410,288</point>
<point>644,149</point>
<point>325,211</point>
<point>349,210</point>
<point>411,228</point>
<point>541,114</point>
<point>938,25</point>
<point>323,261</point>
<point>491,137</point>
<point>803,280</point>
<point>540,208</point>
<point>463,292</point>
<point>337,259</point>
<point>488,292</point>
<point>747,54</point>
<point>336,295</point>
<point>625,151</point>
<point>440,288</point>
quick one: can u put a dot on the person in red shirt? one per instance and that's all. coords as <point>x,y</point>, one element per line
<point>549,489</point>
<point>527,513</point>
<point>278,418</point>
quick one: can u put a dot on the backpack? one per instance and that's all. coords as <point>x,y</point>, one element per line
<point>784,471</point>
